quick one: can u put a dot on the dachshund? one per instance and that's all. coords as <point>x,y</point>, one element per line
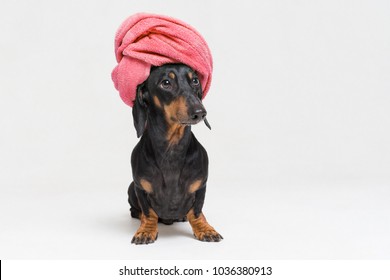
<point>169,165</point>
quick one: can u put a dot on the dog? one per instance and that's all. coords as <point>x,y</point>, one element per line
<point>169,165</point>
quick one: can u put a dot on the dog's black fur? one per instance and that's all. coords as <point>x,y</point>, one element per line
<point>170,167</point>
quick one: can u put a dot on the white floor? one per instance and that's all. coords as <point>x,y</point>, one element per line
<point>299,147</point>
<point>258,221</point>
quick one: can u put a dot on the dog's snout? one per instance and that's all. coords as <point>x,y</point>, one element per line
<point>198,114</point>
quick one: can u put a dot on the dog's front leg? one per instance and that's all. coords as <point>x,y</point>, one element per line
<point>148,231</point>
<point>201,228</point>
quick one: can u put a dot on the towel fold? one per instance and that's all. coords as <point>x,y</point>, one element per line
<point>145,40</point>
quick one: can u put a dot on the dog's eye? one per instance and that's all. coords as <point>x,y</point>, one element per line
<point>166,84</point>
<point>195,81</point>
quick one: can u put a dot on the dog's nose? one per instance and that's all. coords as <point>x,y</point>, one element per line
<point>198,114</point>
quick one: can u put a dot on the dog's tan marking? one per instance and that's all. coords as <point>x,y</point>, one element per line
<point>195,186</point>
<point>201,228</point>
<point>146,185</point>
<point>171,75</point>
<point>174,109</point>
<point>190,75</point>
<point>174,134</point>
<point>157,102</point>
<point>174,112</point>
<point>148,230</point>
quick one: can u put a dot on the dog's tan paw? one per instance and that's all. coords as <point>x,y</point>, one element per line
<point>209,235</point>
<point>144,237</point>
<point>202,230</point>
<point>147,231</point>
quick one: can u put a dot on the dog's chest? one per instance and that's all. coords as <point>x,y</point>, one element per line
<point>170,198</point>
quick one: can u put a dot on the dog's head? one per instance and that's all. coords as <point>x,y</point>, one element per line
<point>172,91</point>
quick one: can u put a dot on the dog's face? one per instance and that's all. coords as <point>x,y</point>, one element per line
<point>172,91</point>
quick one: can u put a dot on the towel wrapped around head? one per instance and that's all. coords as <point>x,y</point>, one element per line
<point>145,40</point>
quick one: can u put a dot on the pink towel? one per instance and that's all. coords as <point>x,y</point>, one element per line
<point>145,40</point>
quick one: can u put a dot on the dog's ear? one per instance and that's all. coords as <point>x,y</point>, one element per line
<point>200,96</point>
<point>206,122</point>
<point>140,109</point>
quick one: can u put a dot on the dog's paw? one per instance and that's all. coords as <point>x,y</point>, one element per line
<point>209,235</point>
<point>144,237</point>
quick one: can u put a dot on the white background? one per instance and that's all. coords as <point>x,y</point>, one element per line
<point>299,148</point>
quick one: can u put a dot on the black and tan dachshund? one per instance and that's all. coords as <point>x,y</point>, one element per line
<point>170,167</point>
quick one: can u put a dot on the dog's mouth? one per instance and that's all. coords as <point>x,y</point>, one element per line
<point>190,120</point>
<point>188,123</point>
<point>198,115</point>
<point>193,122</point>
